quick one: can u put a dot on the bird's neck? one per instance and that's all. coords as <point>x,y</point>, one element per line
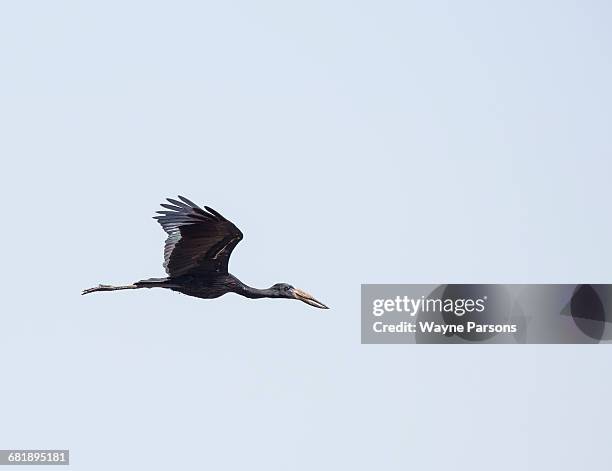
<point>254,293</point>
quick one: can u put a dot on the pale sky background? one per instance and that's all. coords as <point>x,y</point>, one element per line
<point>352,142</point>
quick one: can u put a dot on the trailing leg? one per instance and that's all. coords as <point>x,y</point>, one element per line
<point>109,288</point>
<point>149,283</point>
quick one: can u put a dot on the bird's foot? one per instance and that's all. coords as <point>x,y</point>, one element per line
<point>97,288</point>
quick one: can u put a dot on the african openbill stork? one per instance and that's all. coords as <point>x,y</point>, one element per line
<point>196,255</point>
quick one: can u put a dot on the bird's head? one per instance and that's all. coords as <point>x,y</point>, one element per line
<point>284,290</point>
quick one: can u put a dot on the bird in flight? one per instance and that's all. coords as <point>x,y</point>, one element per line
<point>196,256</point>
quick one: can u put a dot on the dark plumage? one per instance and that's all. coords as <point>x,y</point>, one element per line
<point>196,256</point>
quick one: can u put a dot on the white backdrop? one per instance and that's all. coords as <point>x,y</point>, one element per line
<point>352,142</point>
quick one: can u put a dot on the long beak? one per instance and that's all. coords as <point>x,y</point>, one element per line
<point>307,298</point>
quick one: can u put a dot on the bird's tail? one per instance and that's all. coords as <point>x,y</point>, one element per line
<point>150,283</point>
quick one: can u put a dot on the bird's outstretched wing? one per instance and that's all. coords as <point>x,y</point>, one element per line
<point>199,240</point>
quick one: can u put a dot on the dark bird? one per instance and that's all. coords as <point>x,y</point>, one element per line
<point>196,256</point>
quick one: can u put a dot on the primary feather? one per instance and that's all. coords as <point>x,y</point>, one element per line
<point>200,241</point>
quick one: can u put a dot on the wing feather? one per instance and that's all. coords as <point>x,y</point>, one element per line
<point>199,240</point>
